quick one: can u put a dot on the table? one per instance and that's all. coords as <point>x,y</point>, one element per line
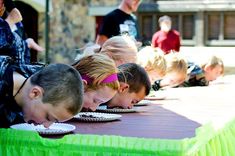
<point>194,121</point>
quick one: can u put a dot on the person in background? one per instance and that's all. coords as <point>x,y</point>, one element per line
<point>176,72</point>
<point>210,70</point>
<point>134,86</point>
<point>153,62</point>
<point>9,12</point>
<point>119,21</point>
<point>52,94</point>
<point>13,17</point>
<point>99,75</point>
<point>166,39</point>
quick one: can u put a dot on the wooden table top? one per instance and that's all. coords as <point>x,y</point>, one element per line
<point>176,117</point>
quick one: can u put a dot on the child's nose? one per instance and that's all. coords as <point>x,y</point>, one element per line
<point>47,124</point>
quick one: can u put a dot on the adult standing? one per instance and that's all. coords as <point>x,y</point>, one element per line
<point>166,39</point>
<point>119,21</point>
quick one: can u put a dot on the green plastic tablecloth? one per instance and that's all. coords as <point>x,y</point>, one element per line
<point>207,141</point>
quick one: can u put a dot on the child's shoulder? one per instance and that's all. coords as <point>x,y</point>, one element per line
<point>194,69</point>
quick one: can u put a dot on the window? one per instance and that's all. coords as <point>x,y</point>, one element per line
<point>213,28</point>
<point>229,25</point>
<point>188,27</point>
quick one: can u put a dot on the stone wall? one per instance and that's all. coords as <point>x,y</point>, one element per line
<point>70,29</point>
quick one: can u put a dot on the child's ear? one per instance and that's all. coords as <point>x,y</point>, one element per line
<point>123,87</point>
<point>207,68</point>
<point>84,84</point>
<point>36,92</point>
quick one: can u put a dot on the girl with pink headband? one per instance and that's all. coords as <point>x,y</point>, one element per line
<point>100,80</point>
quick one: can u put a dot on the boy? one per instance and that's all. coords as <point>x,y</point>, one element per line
<point>202,75</point>
<point>134,86</point>
<point>55,93</point>
<point>153,62</point>
<point>176,72</point>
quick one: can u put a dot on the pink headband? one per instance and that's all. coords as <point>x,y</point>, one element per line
<point>108,79</point>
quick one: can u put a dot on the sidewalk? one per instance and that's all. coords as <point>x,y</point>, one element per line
<point>198,54</point>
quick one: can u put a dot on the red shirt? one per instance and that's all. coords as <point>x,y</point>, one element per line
<point>167,41</point>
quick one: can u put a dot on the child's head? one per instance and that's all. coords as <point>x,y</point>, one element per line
<point>99,74</point>
<point>213,68</point>
<point>176,72</point>
<point>55,93</point>
<point>153,62</point>
<point>134,86</point>
<point>122,49</point>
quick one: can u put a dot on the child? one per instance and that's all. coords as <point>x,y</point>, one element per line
<point>209,71</point>
<point>53,94</point>
<point>176,72</point>
<point>153,62</point>
<point>134,86</point>
<point>99,75</point>
<point>122,49</point>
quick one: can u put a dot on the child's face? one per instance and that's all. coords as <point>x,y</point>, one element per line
<point>45,113</point>
<point>173,79</point>
<point>126,99</point>
<point>154,75</point>
<point>93,98</point>
<point>212,74</point>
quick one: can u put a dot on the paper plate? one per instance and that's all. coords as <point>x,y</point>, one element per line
<point>156,95</point>
<point>114,110</point>
<point>96,117</point>
<point>143,103</point>
<point>55,128</point>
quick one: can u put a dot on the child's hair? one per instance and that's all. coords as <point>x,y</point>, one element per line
<point>176,63</point>
<point>212,62</point>
<point>95,69</point>
<point>60,83</point>
<point>120,48</point>
<point>135,76</point>
<point>150,59</point>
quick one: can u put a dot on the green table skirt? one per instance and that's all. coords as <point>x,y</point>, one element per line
<point>207,141</point>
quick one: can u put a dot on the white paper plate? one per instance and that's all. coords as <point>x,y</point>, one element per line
<point>55,128</point>
<point>96,117</point>
<point>156,95</point>
<point>143,103</point>
<point>114,110</point>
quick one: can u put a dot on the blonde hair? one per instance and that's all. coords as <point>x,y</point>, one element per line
<point>150,59</point>
<point>120,48</point>
<point>97,67</point>
<point>176,63</point>
<point>212,62</point>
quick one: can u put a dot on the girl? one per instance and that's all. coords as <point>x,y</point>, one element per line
<point>99,75</point>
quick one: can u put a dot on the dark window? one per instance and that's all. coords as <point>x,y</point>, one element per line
<point>229,26</point>
<point>188,27</point>
<point>213,27</point>
<point>147,27</point>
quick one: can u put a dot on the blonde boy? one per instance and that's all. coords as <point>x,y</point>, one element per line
<point>153,62</point>
<point>176,72</point>
<point>202,75</point>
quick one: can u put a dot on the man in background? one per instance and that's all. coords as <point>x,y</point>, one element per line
<point>166,39</point>
<point>119,21</point>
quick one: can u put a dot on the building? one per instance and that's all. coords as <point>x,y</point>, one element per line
<point>73,23</point>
